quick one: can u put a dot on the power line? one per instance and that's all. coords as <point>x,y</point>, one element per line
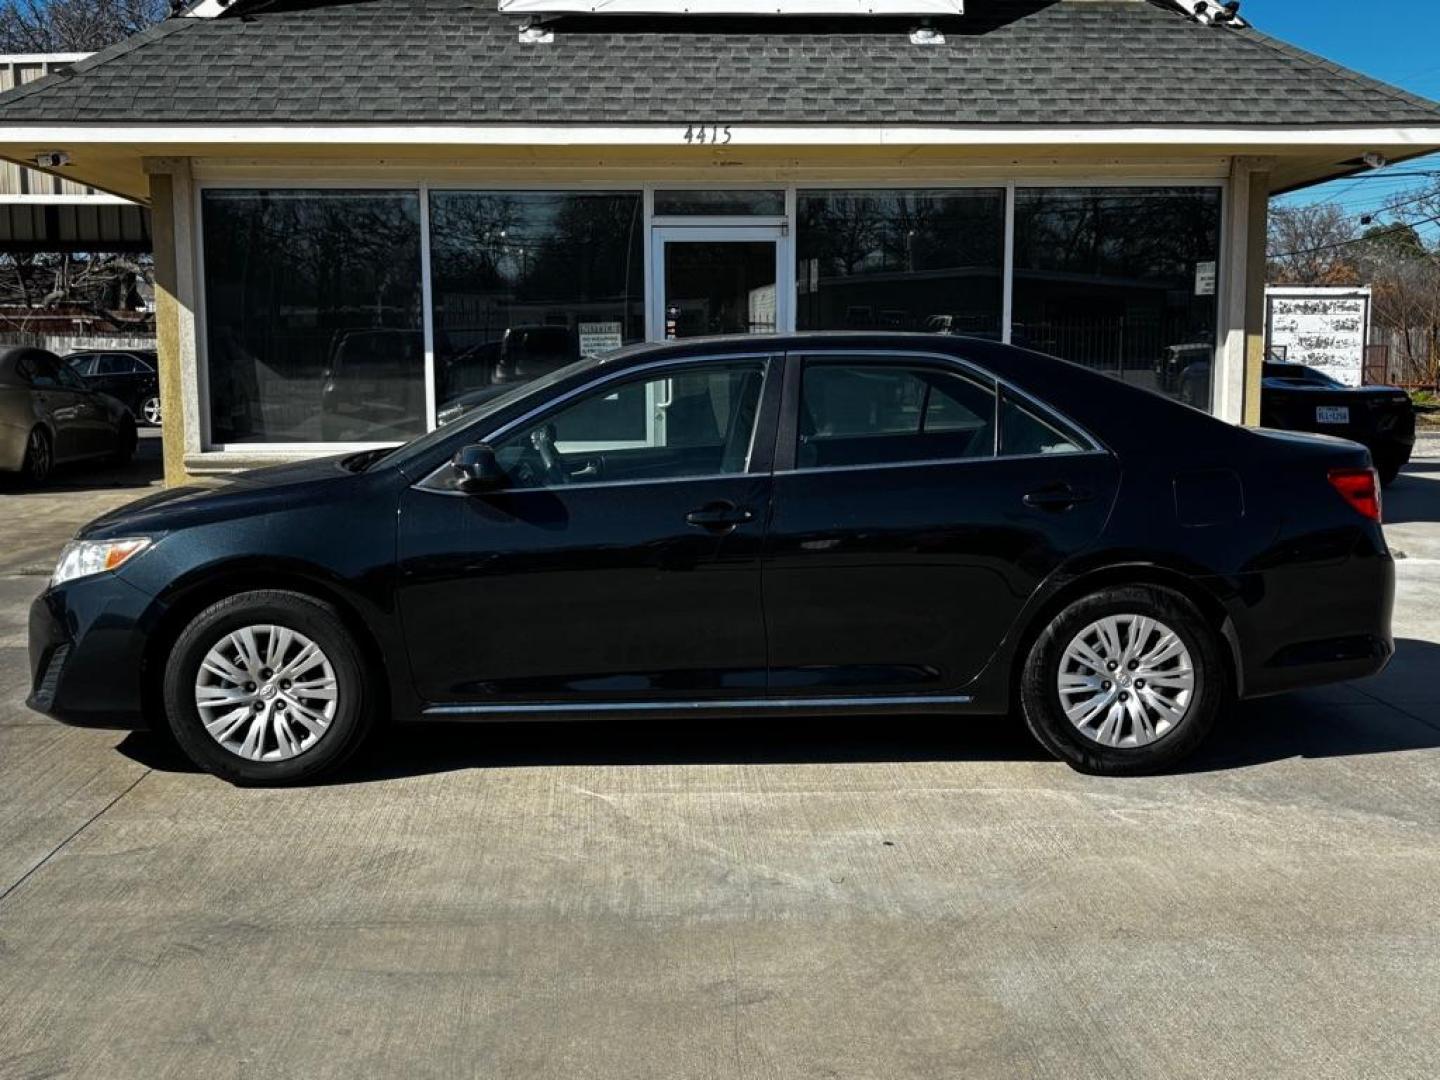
<point>1357,240</point>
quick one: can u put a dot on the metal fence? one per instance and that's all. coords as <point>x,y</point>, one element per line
<point>60,344</point>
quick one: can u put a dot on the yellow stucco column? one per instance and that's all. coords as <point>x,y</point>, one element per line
<point>1257,235</point>
<point>167,326</point>
<point>175,287</point>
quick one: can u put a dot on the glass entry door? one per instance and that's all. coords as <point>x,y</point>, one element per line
<point>717,280</point>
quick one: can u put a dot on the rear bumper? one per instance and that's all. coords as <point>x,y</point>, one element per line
<point>1312,625</point>
<point>87,653</point>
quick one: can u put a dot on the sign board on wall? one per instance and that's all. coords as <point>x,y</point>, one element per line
<point>1323,328</point>
<point>599,338</point>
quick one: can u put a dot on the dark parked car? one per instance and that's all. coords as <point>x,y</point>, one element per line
<point>49,417</point>
<point>817,525</point>
<point>129,376</point>
<point>1300,398</point>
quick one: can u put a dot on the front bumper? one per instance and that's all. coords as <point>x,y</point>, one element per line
<point>87,652</point>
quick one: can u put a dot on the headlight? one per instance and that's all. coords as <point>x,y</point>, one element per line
<point>81,558</point>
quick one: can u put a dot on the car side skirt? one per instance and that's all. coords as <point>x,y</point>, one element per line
<point>914,705</point>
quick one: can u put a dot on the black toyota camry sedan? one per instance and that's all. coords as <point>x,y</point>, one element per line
<point>806,526</point>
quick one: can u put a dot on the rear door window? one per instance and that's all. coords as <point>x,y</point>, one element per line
<point>856,413</point>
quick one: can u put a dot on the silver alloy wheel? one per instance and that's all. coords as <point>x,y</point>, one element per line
<point>1126,681</point>
<point>266,693</point>
<point>150,411</point>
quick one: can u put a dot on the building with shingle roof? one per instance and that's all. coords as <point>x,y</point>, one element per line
<point>365,209</point>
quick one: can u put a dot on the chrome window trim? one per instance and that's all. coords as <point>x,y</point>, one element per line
<point>947,359</point>
<point>694,704</point>
<point>767,357</point>
<point>938,462</point>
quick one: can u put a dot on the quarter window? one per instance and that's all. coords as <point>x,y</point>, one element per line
<point>874,414</point>
<point>694,422</point>
<point>1023,433</point>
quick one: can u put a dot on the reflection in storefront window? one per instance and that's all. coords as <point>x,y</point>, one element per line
<point>527,281</point>
<point>313,316</point>
<point>1123,280</point>
<point>925,260</point>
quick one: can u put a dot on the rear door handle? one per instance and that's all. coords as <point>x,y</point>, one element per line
<point>719,517</point>
<point>1058,497</point>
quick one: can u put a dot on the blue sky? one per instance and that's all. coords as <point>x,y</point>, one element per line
<point>1394,40</point>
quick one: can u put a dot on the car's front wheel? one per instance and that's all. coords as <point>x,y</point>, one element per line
<point>268,687</point>
<point>1124,682</point>
<point>39,457</point>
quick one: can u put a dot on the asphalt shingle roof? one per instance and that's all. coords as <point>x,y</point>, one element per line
<point>1110,62</point>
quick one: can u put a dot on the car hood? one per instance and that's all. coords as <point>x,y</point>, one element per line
<point>253,491</point>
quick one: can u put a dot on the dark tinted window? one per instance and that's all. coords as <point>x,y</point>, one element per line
<point>43,371</point>
<point>1023,432</point>
<point>698,421</point>
<point>525,282</point>
<point>115,364</point>
<point>82,365</point>
<point>1123,280</point>
<point>929,260</point>
<point>313,315</point>
<point>870,414</point>
<point>720,203</point>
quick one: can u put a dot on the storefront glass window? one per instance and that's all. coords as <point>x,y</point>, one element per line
<point>1123,280</point>
<point>527,281</point>
<point>930,260</point>
<point>313,316</point>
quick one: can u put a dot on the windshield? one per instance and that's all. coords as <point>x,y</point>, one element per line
<point>417,448</point>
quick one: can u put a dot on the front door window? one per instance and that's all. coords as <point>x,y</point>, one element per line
<point>691,422</point>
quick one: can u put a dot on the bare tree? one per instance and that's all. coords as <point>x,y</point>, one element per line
<point>107,286</point>
<point>1312,245</point>
<point>1405,273</point>
<point>47,26</point>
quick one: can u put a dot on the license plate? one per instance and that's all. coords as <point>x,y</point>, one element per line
<point>1332,414</point>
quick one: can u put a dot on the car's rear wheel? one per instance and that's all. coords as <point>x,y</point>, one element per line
<point>150,410</point>
<point>268,687</point>
<point>1388,465</point>
<point>39,457</point>
<point>1124,682</point>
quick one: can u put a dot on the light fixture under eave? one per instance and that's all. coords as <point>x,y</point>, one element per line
<point>733,7</point>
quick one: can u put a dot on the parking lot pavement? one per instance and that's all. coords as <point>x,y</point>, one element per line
<point>906,899</point>
<point>37,521</point>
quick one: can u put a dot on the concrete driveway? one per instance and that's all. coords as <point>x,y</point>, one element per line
<point>761,901</point>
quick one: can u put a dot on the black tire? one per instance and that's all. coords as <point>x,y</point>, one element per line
<point>125,442</point>
<point>1040,693</point>
<point>1388,466</point>
<point>148,406</point>
<point>39,457</point>
<point>355,694</point>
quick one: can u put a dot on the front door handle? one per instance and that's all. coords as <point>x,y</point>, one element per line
<point>1058,497</point>
<point>721,517</point>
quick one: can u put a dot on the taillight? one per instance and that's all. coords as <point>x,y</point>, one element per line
<point>1360,488</point>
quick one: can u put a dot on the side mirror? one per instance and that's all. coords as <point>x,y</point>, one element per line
<point>477,469</point>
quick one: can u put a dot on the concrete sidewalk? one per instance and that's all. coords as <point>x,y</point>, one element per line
<point>826,900</point>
